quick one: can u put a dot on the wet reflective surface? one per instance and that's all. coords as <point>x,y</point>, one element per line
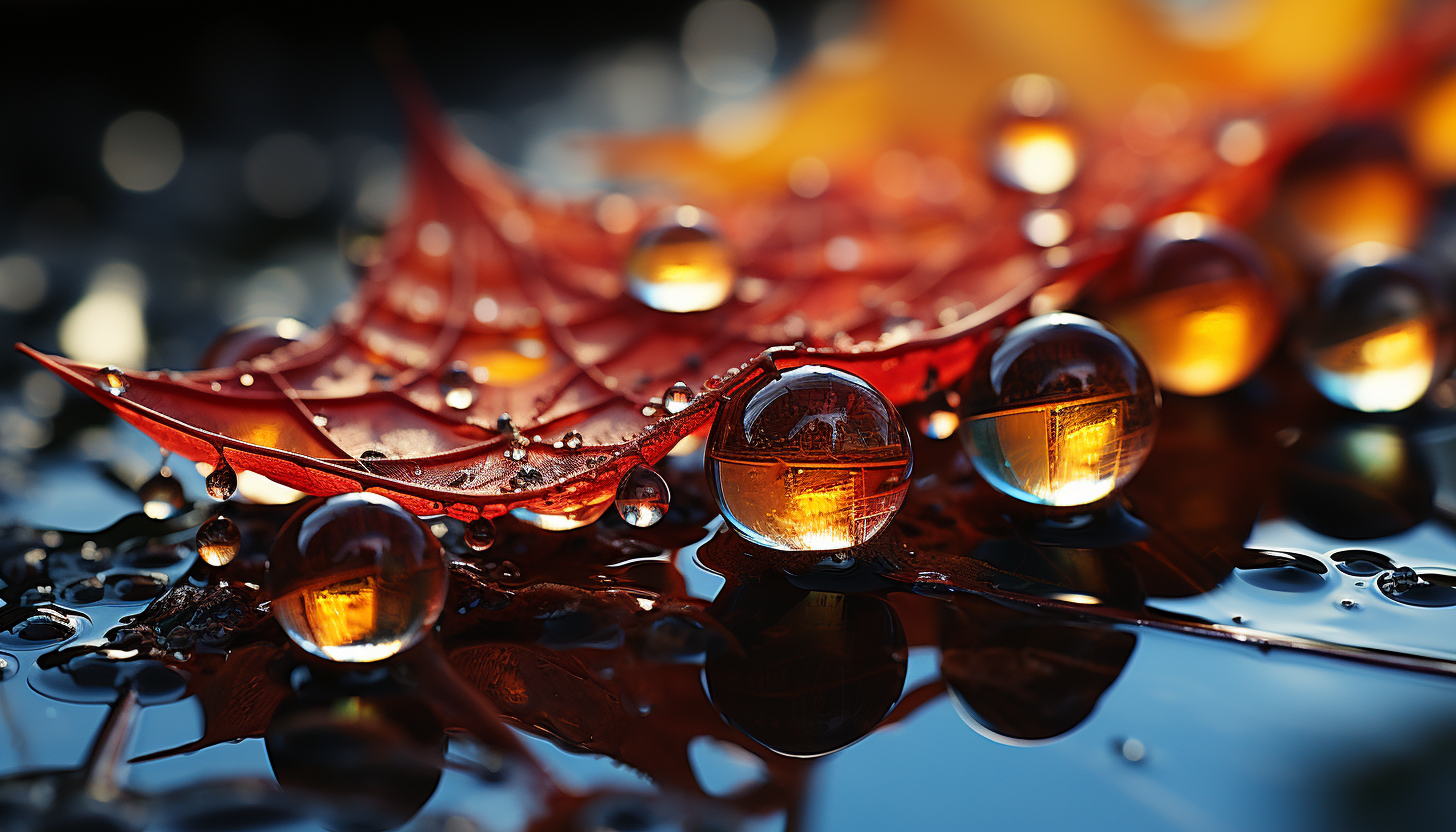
<point>1185,657</point>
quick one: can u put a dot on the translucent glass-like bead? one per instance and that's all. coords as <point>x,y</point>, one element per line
<point>683,266</point>
<point>218,541</point>
<point>1371,340</point>
<point>356,578</point>
<point>642,497</point>
<point>1206,317</point>
<point>162,496</point>
<point>815,459</point>
<point>1060,411</point>
<point>1033,148</point>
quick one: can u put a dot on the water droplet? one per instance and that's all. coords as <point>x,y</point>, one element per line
<point>1206,315</point>
<point>112,380</point>
<point>815,459</point>
<point>1361,562</point>
<point>1033,148</point>
<point>222,483</point>
<point>9,666</point>
<point>162,496</point>
<point>677,397</point>
<point>1348,603</point>
<point>649,410</point>
<point>38,627</point>
<point>1370,341</point>
<point>457,386</point>
<point>1433,587</point>
<point>218,541</point>
<point>681,268</point>
<point>939,424</point>
<point>1059,411</point>
<point>527,477</point>
<point>642,497</point>
<point>713,382</point>
<point>515,452</point>
<point>371,455</point>
<point>504,425</point>
<point>356,578</point>
<point>572,440</point>
<point>480,534</point>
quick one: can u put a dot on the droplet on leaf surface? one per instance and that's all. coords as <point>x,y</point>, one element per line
<point>356,578</point>
<point>1033,149</point>
<point>480,534</point>
<point>457,386</point>
<point>642,497</point>
<point>677,397</point>
<point>1059,412</point>
<point>815,459</point>
<point>681,267</point>
<point>112,380</point>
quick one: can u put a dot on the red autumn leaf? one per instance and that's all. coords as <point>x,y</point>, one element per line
<point>518,298</point>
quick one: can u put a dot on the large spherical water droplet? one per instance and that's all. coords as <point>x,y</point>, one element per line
<point>1059,412</point>
<point>677,397</point>
<point>222,482</point>
<point>1033,148</point>
<point>815,459</point>
<point>112,380</point>
<point>683,266</point>
<point>457,386</point>
<point>642,497</point>
<point>1371,341</point>
<point>218,541</point>
<point>162,496</point>
<point>356,578</point>
<point>1207,316</point>
<point>480,534</point>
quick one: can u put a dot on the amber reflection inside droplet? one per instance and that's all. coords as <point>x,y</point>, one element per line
<point>1207,316</point>
<point>218,541</point>
<point>356,578</point>
<point>680,268</point>
<point>1371,339</point>
<point>816,459</point>
<point>1036,154</point>
<point>1059,412</point>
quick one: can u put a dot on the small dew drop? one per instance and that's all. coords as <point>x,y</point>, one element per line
<point>112,380</point>
<point>371,455</point>
<point>649,410</point>
<point>480,534</point>
<point>572,440</point>
<point>218,541</point>
<point>642,497</point>
<point>1348,603</point>
<point>516,453</point>
<point>246,379</point>
<point>677,397</point>
<point>457,386</point>
<point>222,483</point>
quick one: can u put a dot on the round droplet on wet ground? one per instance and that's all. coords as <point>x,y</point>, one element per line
<point>457,386</point>
<point>480,534</point>
<point>1360,562</point>
<point>162,496</point>
<point>1431,587</point>
<point>112,380</point>
<point>1059,411</point>
<point>1283,571</point>
<point>31,628</point>
<point>356,578</point>
<point>815,459</point>
<point>1205,316</point>
<point>9,666</point>
<point>222,482</point>
<point>1373,339</point>
<point>642,497</point>
<point>218,541</point>
<point>677,397</point>
<point>682,266</point>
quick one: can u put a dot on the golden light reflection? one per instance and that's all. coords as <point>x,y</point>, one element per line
<point>681,275</point>
<point>1387,370</point>
<point>1036,155</point>
<point>812,507</point>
